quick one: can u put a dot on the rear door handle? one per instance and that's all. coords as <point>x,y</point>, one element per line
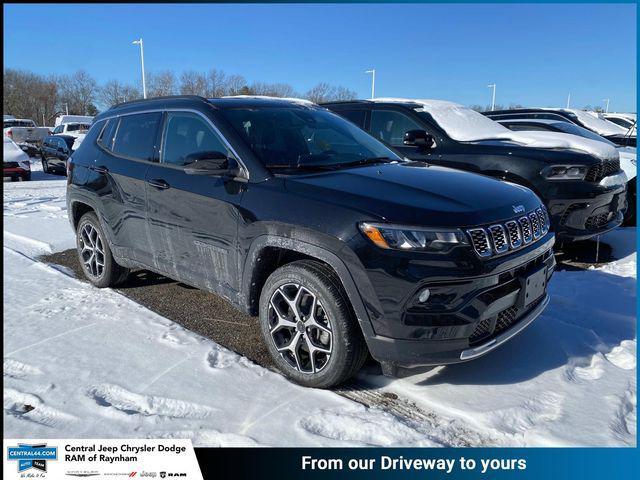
<point>99,169</point>
<point>158,183</point>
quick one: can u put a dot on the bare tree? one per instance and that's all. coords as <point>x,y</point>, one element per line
<point>78,93</point>
<point>217,83</point>
<point>236,85</point>
<point>114,92</point>
<point>193,83</point>
<point>323,92</point>
<point>161,84</point>
<point>29,95</point>
<point>272,89</point>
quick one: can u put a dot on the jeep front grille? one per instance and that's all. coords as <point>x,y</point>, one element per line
<point>511,235</point>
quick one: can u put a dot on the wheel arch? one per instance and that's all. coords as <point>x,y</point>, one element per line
<point>269,252</point>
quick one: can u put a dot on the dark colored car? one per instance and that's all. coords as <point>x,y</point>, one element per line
<point>55,151</point>
<point>581,191</point>
<point>296,215</point>
<point>605,128</point>
<point>545,125</point>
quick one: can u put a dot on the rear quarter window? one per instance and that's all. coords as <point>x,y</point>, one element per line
<point>136,136</point>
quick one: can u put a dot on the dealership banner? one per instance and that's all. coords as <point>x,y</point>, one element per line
<point>99,459</point>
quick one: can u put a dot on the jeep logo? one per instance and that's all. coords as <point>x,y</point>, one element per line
<point>518,208</point>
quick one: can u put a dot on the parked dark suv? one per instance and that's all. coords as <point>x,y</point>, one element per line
<point>292,213</point>
<point>55,151</point>
<point>584,194</point>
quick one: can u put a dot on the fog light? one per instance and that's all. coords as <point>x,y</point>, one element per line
<point>424,295</point>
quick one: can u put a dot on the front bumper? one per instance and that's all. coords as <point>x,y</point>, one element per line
<point>487,311</point>
<point>582,218</point>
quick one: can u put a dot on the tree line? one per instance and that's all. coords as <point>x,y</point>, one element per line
<point>42,97</point>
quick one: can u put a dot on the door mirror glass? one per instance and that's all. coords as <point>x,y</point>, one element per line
<point>418,138</point>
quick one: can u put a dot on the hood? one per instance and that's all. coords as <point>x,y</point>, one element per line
<point>414,193</point>
<point>11,152</point>
<point>557,140</point>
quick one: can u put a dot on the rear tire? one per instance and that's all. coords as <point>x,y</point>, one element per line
<point>45,166</point>
<point>95,255</point>
<point>308,325</point>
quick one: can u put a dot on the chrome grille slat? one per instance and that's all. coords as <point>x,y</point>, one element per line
<point>511,235</point>
<point>499,238</point>
<point>480,241</point>
<point>535,225</point>
<point>515,236</point>
<point>525,224</point>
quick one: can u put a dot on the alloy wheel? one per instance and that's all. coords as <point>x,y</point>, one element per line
<point>300,329</point>
<point>92,250</point>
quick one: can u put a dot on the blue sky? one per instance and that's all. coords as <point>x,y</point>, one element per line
<point>535,54</point>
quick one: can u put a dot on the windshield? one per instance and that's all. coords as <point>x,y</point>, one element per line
<point>462,123</point>
<point>296,138</point>
<point>574,129</point>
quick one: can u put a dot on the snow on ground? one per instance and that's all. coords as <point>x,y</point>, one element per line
<point>75,368</point>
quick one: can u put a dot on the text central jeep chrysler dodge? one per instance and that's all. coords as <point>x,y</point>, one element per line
<point>293,213</point>
<point>578,179</point>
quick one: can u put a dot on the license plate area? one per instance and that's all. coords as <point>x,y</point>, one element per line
<point>533,287</point>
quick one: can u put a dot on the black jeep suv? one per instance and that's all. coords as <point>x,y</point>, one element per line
<point>584,194</point>
<point>293,213</point>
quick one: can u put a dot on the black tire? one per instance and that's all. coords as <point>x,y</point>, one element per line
<point>347,345</point>
<point>45,166</point>
<point>26,177</point>
<point>111,274</point>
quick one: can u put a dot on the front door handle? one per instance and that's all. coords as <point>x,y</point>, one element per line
<point>158,183</point>
<point>99,169</point>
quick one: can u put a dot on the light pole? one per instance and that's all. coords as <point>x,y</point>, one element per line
<point>373,81</point>
<point>606,110</point>
<point>66,107</point>
<point>144,82</point>
<point>493,97</point>
<point>568,100</point>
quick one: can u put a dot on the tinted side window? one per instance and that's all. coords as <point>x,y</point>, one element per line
<point>527,127</point>
<point>354,116</point>
<point>58,129</point>
<point>136,135</point>
<point>188,136</point>
<point>390,126</point>
<point>106,137</point>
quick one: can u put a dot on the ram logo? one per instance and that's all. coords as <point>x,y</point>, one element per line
<point>518,208</point>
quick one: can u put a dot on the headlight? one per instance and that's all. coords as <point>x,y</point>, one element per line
<point>565,172</point>
<point>398,237</point>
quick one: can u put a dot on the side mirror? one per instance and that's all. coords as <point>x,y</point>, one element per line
<point>419,138</point>
<point>210,163</point>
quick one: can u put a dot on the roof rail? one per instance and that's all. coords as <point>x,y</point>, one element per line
<point>168,97</point>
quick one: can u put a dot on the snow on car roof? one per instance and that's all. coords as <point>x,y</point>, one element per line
<point>301,101</point>
<point>466,125</point>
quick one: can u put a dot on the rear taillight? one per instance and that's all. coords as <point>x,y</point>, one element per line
<point>69,167</point>
<point>9,134</point>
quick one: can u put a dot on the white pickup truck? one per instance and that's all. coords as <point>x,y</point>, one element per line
<point>22,130</point>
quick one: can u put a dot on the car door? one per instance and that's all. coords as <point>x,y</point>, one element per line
<point>193,218</point>
<point>59,154</point>
<point>117,174</point>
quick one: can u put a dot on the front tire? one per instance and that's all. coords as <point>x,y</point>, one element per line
<point>308,325</point>
<point>95,255</point>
